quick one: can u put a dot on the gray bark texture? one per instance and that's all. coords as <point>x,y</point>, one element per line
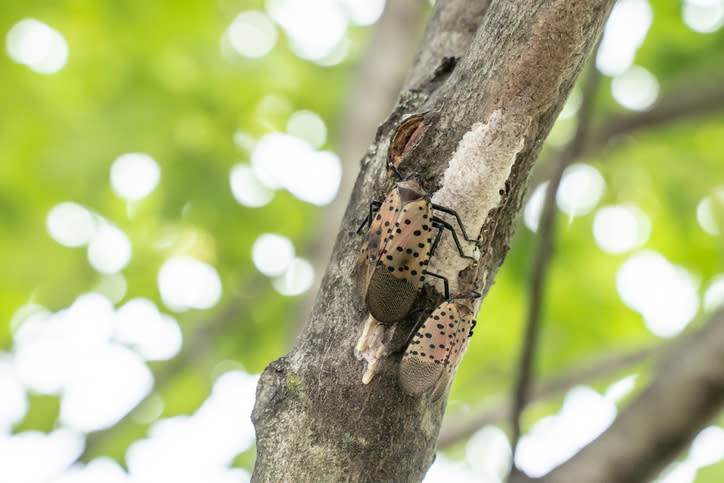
<point>491,80</point>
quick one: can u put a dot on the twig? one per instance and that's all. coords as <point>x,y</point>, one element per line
<point>684,396</point>
<point>542,258</point>
<point>684,103</point>
<point>674,106</point>
<point>456,431</point>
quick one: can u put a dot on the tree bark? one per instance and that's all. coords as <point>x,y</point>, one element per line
<point>492,81</point>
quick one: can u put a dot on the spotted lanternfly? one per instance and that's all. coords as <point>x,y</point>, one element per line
<point>435,351</point>
<point>396,251</point>
<point>392,262</point>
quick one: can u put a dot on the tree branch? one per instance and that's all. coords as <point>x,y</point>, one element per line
<point>686,394</point>
<point>544,249</point>
<point>684,103</point>
<point>488,114</point>
<point>463,428</point>
<point>674,106</point>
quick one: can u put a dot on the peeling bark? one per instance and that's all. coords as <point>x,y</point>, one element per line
<point>492,81</point>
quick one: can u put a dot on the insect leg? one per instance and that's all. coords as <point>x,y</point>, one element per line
<point>374,206</point>
<point>437,222</point>
<point>454,213</point>
<point>444,280</point>
<point>393,168</point>
<point>436,240</point>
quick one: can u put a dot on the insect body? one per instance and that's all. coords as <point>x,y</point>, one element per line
<point>435,351</point>
<point>397,249</point>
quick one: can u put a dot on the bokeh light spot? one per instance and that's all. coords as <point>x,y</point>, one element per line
<point>584,415</point>
<point>663,293</point>
<point>618,229</point>
<point>14,400</point>
<point>247,189</point>
<point>99,470</point>
<point>186,283</point>
<point>703,17</point>
<point>252,34</point>
<point>109,251</point>
<point>51,349</point>
<point>488,452</point>
<point>635,89</point>
<point>111,383</point>
<point>709,212</point>
<point>37,45</point>
<point>199,447</point>
<point>113,286</point>
<point>272,254</point>
<point>70,224</point>
<point>625,31</point>
<point>134,175</point>
<point>154,336</point>
<point>444,470</point>
<point>714,294</point>
<point>313,32</point>
<point>244,141</point>
<point>270,157</point>
<point>580,190</point>
<point>338,54</point>
<point>534,207</point>
<point>149,410</point>
<point>308,126</point>
<point>572,105</point>
<point>226,366</point>
<point>284,161</point>
<point>363,12</point>
<point>621,388</point>
<point>708,447</point>
<point>679,472</point>
<point>32,456</point>
<point>297,279</point>
<point>28,312</point>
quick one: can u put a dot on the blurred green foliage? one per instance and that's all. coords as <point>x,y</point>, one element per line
<point>150,77</point>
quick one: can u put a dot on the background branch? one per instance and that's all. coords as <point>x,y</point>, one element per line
<point>676,105</point>
<point>544,248</point>
<point>464,427</point>
<point>685,102</point>
<point>686,394</point>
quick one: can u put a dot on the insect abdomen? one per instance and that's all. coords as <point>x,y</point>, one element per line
<point>433,355</point>
<point>401,236</point>
<point>424,360</point>
<point>389,298</point>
